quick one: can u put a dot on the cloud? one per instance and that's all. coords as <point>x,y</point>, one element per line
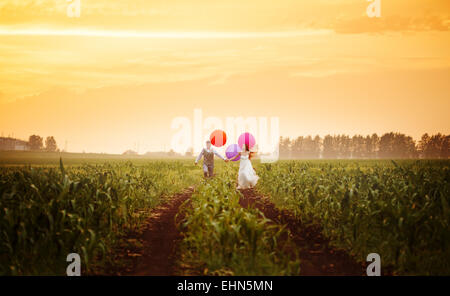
<point>342,16</point>
<point>37,58</point>
<point>159,35</point>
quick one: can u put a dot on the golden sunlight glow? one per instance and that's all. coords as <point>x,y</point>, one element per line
<point>160,35</point>
<point>115,77</point>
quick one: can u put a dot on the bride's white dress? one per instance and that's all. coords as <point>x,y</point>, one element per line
<point>247,177</point>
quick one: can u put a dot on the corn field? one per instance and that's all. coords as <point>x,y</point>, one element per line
<point>49,212</point>
<point>223,238</point>
<point>399,210</point>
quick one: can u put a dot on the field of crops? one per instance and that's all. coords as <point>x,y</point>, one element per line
<point>49,212</point>
<point>398,209</point>
<point>223,238</point>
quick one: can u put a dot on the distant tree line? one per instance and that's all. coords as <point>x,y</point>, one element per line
<point>36,143</point>
<point>389,145</point>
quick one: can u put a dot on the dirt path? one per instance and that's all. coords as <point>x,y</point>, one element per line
<point>160,239</point>
<point>316,256</point>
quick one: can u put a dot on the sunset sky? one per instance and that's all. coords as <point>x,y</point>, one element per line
<point>115,78</point>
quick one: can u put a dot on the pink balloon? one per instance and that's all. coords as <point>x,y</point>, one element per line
<point>246,138</point>
<point>233,150</point>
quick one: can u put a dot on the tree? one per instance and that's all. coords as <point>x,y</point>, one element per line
<point>315,146</point>
<point>129,152</point>
<point>386,145</point>
<point>329,147</point>
<point>50,144</point>
<point>396,145</point>
<point>297,148</point>
<point>285,147</point>
<point>372,144</point>
<point>410,150</point>
<point>390,145</point>
<point>358,146</point>
<point>35,142</point>
<point>344,146</point>
<point>436,146</point>
<point>445,149</point>
<point>423,145</point>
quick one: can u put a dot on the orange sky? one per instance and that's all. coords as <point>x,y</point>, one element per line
<point>115,78</point>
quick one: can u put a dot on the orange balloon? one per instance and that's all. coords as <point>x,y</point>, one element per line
<point>218,138</point>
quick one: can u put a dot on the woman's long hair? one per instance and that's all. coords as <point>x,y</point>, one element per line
<point>248,149</point>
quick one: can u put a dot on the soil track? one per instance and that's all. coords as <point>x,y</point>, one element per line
<point>317,257</point>
<point>160,239</point>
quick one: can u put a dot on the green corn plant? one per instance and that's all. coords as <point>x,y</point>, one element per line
<point>221,237</point>
<point>49,212</point>
<point>398,209</point>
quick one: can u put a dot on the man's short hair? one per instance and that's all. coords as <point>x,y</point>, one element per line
<point>208,141</point>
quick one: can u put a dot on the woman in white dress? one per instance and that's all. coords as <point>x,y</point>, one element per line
<point>247,177</point>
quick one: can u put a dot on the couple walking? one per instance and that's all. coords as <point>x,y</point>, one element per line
<point>247,177</point>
